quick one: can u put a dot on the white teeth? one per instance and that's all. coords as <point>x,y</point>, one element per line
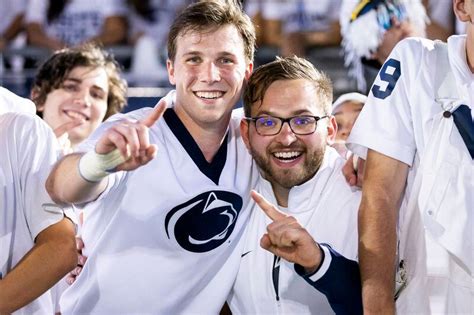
<point>210,95</point>
<point>76,115</point>
<point>287,155</point>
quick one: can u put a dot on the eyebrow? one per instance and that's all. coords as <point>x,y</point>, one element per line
<point>77,80</point>
<point>295,113</point>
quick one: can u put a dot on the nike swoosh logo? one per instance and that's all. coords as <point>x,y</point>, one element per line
<point>245,254</point>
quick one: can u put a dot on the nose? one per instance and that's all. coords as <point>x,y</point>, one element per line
<point>83,98</point>
<point>286,136</point>
<point>211,73</point>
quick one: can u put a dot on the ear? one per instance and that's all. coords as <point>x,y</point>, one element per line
<point>332,130</point>
<point>459,7</point>
<point>33,95</point>
<point>248,70</point>
<point>244,132</point>
<point>170,68</point>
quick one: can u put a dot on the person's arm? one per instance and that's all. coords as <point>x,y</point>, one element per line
<point>52,256</point>
<point>384,184</point>
<point>113,32</point>
<point>38,37</point>
<point>80,178</point>
<point>338,278</point>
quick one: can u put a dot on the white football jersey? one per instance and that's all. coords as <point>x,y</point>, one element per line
<point>409,118</point>
<point>327,207</point>
<point>29,149</point>
<point>10,102</point>
<point>165,238</point>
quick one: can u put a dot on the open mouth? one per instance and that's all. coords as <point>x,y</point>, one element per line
<point>287,156</point>
<point>76,115</point>
<point>209,95</point>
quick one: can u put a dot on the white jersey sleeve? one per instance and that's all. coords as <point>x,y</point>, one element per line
<point>31,148</point>
<point>10,102</point>
<point>386,123</point>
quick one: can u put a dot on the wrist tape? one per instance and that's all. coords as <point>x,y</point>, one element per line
<point>93,166</point>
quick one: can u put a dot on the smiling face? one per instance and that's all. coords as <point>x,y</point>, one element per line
<point>208,71</point>
<point>286,159</point>
<point>81,96</point>
<point>346,115</point>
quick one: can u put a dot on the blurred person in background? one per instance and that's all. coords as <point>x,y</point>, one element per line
<point>149,22</point>
<point>346,109</point>
<point>267,17</point>
<point>12,32</point>
<point>309,23</point>
<point>371,29</point>
<point>55,24</point>
<point>75,90</point>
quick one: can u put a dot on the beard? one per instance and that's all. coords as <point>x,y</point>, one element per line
<point>288,178</point>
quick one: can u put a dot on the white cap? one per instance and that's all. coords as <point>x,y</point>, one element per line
<point>353,97</point>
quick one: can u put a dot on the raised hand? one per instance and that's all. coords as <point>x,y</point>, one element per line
<point>353,171</point>
<point>286,238</point>
<point>131,138</point>
<point>62,134</point>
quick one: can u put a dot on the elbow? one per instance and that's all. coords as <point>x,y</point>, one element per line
<point>68,253</point>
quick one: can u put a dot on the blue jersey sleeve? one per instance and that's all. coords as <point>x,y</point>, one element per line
<point>339,281</point>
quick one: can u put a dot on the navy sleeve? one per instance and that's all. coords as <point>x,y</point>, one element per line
<point>340,283</point>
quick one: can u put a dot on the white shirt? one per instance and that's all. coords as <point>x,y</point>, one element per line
<point>165,238</point>
<point>29,150</point>
<point>10,102</point>
<point>327,208</point>
<point>402,120</point>
<point>79,21</point>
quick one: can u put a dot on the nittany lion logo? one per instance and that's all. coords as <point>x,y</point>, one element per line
<point>204,222</point>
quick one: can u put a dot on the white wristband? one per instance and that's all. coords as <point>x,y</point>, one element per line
<point>93,166</point>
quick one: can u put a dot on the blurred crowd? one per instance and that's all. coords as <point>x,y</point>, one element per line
<point>330,33</point>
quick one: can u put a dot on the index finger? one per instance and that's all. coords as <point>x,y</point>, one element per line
<point>155,114</point>
<point>62,129</point>
<point>270,210</point>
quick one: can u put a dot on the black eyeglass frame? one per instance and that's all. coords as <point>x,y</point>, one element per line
<point>286,120</point>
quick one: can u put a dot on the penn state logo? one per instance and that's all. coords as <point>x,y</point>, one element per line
<point>204,222</point>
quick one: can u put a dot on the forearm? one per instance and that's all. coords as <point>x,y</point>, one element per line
<point>383,187</point>
<point>46,263</point>
<point>37,37</point>
<point>14,28</point>
<point>339,280</point>
<point>114,31</point>
<point>66,185</point>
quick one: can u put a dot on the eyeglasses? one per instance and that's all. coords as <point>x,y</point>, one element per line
<point>300,125</point>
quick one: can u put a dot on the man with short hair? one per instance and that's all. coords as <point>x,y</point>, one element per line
<point>288,129</point>
<point>167,229</point>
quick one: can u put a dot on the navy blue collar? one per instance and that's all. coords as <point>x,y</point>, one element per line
<point>463,120</point>
<point>212,170</point>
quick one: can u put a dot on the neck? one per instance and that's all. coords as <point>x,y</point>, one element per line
<point>470,48</point>
<point>281,194</point>
<point>208,136</point>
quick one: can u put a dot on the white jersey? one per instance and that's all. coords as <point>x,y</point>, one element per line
<point>80,20</point>
<point>404,119</point>
<point>10,102</point>
<point>327,208</point>
<point>29,150</point>
<point>165,238</point>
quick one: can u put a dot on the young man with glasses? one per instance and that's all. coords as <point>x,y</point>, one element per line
<point>287,130</point>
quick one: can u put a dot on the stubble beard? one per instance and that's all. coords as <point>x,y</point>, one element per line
<point>288,178</point>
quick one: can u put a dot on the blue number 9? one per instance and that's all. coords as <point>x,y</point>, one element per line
<point>390,78</point>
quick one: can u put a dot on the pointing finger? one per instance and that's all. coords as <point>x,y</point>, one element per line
<point>270,210</point>
<point>62,129</point>
<point>155,114</point>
